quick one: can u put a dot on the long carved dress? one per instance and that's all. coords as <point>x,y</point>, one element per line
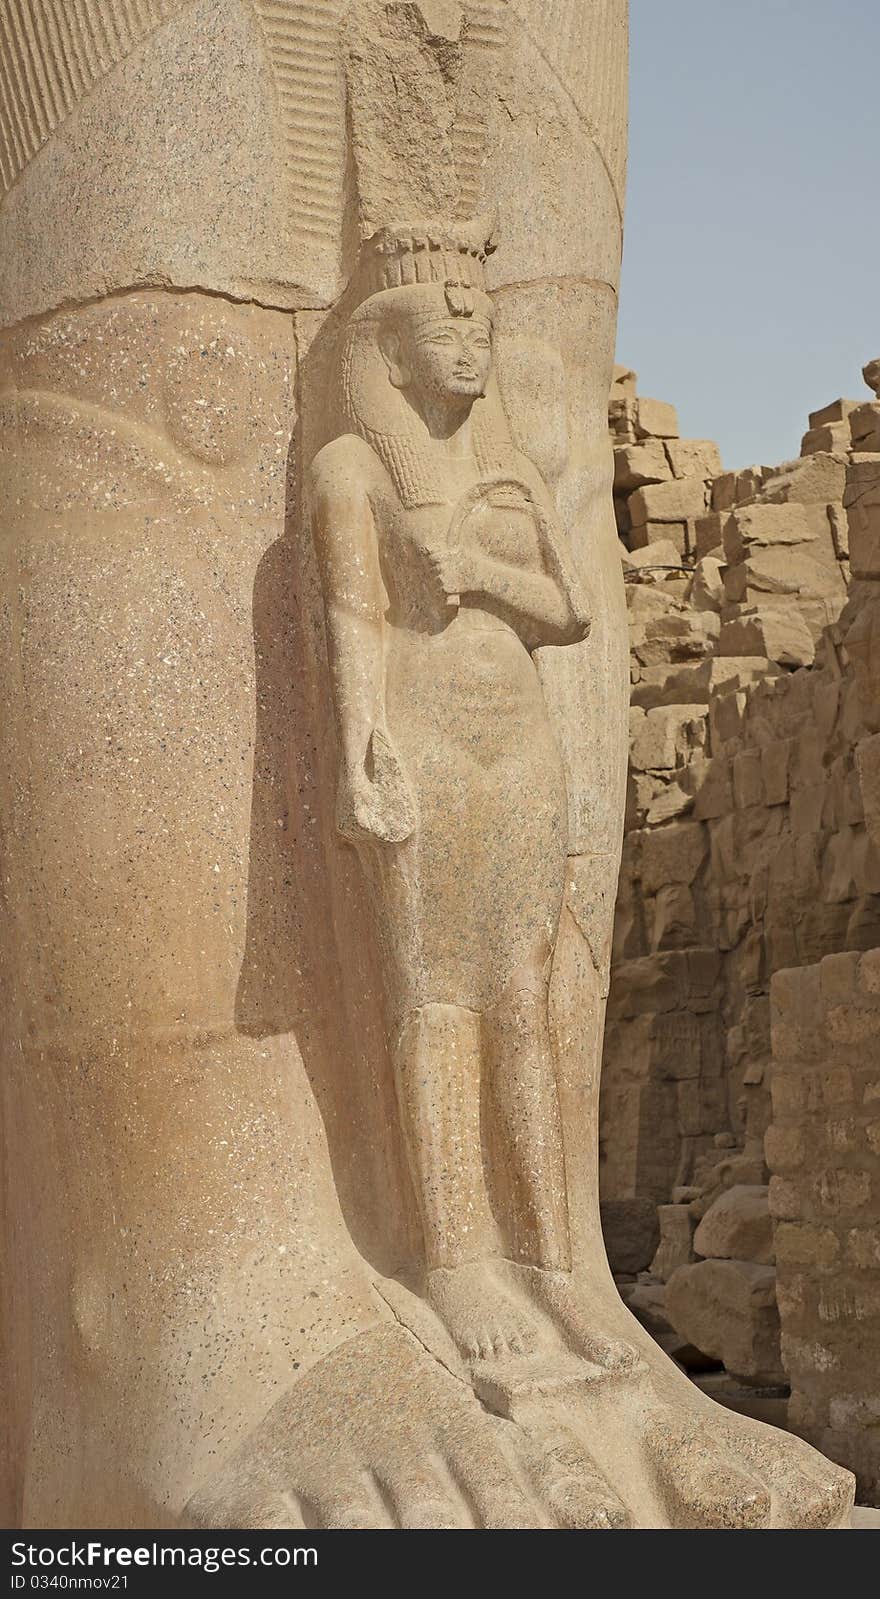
<point>469,903</point>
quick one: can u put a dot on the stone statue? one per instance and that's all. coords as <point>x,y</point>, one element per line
<point>444,567</point>
<point>301,1031</point>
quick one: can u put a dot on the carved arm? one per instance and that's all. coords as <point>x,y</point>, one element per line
<point>373,799</point>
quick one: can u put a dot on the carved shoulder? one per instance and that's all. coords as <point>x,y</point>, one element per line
<point>344,472</point>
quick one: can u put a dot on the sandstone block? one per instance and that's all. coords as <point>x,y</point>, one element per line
<point>723,497</point>
<point>748,783</point>
<point>817,478</point>
<point>737,1226</point>
<point>676,1241</point>
<point>647,1301</point>
<point>650,560</point>
<point>667,803</point>
<point>714,791</point>
<point>675,501</point>
<point>837,411</point>
<point>728,1309</point>
<point>727,716</point>
<point>781,570</point>
<point>775,760</point>
<point>624,382</point>
<point>835,436</point>
<point>805,1244</point>
<point>673,917</point>
<point>662,629</point>
<point>706,592</point>
<point>864,425</point>
<point>655,419</point>
<point>749,482</point>
<point>631,1232</point>
<point>622,416</point>
<point>698,458</point>
<point>662,738</point>
<point>862,504</point>
<point>672,854</point>
<point>782,635</point>
<point>785,1149</point>
<point>638,464</point>
<point>760,526</point>
<point>648,533</point>
<point>672,684</point>
<point>708,534</point>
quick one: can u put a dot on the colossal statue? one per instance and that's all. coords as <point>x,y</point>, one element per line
<point>314,743</point>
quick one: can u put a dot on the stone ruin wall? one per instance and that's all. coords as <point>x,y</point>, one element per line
<point>752,849</point>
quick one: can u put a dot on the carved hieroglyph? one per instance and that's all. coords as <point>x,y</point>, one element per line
<point>311,780</point>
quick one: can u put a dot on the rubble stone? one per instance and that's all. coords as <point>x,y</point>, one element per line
<point>737,1227</point>
<point>727,1308</point>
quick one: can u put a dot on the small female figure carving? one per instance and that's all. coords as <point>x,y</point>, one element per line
<point>444,567</point>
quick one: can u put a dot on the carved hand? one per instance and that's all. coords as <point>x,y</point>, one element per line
<point>373,801</point>
<point>454,569</point>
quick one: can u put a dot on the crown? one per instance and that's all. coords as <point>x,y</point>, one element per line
<point>427,252</point>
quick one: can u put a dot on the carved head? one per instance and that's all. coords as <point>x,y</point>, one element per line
<point>418,352</point>
<point>437,344</point>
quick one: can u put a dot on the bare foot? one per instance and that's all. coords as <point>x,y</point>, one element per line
<point>335,1454</point>
<point>482,1317</point>
<point>561,1297</point>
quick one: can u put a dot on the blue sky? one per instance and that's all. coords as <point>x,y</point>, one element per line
<point>751,278</point>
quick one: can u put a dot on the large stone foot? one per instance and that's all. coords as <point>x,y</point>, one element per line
<point>335,1454</point>
<point>705,1466</point>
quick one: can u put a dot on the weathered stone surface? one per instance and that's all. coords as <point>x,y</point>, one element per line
<point>676,1246</point>
<point>837,411</point>
<point>864,424</point>
<point>834,436</point>
<point>638,464</point>
<point>672,854</point>
<point>826,1199</point>
<point>655,419</point>
<point>781,635</point>
<point>817,478</point>
<point>663,533</point>
<point>706,592</point>
<point>761,526</point>
<point>312,779</point>
<point>737,1227</point>
<point>789,570</point>
<point>661,739</point>
<point>655,561</point>
<point>727,1308</point>
<point>698,458</point>
<point>862,504</point>
<point>674,501</point>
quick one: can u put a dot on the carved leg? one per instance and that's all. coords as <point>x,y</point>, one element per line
<point>526,1105</point>
<point>437,1072</point>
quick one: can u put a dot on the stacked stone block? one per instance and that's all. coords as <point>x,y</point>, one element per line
<point>661,481</point>
<point>753,845</point>
<point>754,768</point>
<point>823,1148</point>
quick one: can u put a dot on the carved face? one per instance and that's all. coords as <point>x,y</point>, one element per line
<point>443,357</point>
